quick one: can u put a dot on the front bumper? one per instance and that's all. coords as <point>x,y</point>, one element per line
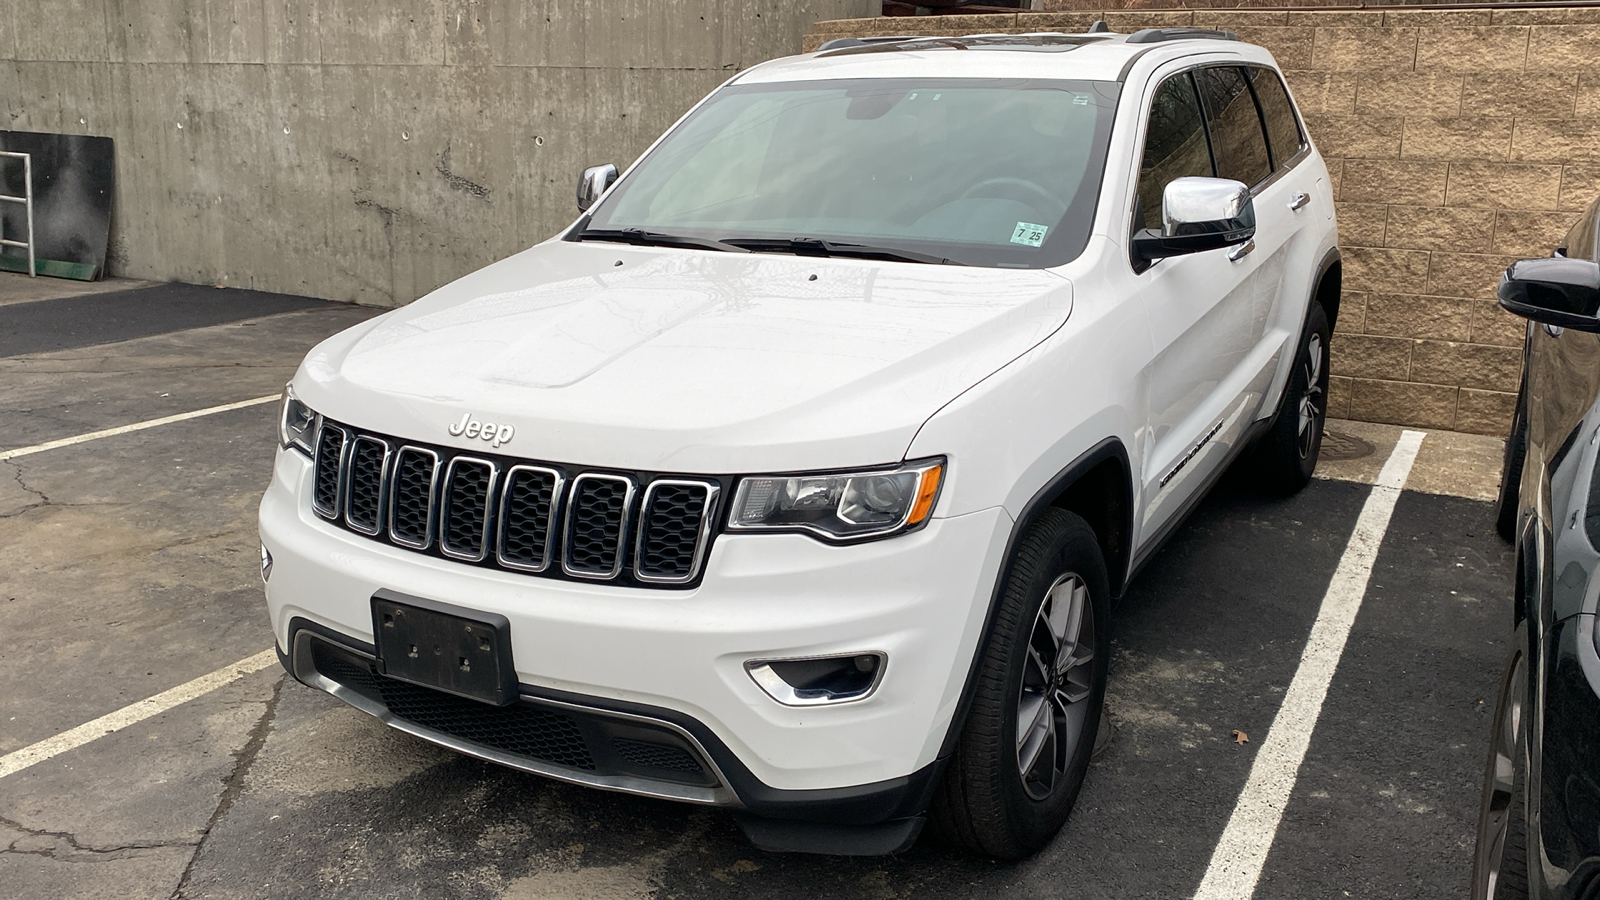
<point>677,658</point>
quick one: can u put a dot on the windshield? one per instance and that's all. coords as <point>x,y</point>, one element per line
<point>984,172</point>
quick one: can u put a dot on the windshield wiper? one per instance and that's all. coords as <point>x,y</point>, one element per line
<point>655,239</point>
<point>804,246</point>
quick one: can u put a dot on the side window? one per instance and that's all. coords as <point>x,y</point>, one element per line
<point>1174,145</point>
<point>1283,131</point>
<point>1235,126</point>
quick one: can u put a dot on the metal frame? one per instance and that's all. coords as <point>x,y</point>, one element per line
<point>488,508</point>
<point>702,539</point>
<point>622,538</point>
<point>433,499</point>
<point>383,486</point>
<point>27,201</point>
<point>552,530</point>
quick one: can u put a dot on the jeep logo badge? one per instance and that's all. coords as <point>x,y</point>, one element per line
<point>488,431</point>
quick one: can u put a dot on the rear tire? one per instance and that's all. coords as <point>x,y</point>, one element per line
<point>1287,455</point>
<point>1500,860</point>
<point>1026,742</point>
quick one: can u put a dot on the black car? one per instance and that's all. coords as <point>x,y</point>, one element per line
<point>1539,826</point>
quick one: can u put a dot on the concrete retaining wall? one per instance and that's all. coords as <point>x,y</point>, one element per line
<point>366,151</point>
<point>1458,140</point>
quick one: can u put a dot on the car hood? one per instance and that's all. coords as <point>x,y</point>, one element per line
<point>684,361</point>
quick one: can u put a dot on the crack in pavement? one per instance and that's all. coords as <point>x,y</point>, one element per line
<point>43,500</point>
<point>75,846</point>
<point>234,785</point>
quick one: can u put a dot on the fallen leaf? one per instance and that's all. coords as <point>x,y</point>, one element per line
<point>1240,737</point>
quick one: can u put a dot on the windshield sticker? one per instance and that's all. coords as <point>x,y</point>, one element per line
<point>1029,234</point>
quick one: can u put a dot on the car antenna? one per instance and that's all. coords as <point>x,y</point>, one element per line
<point>1099,27</point>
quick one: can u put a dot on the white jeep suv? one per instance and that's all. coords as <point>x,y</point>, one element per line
<point>799,475</point>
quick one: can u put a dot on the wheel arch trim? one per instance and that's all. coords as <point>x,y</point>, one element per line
<point>1110,450</point>
<point>1331,264</point>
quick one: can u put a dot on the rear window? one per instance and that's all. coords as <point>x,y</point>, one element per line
<point>1283,130</point>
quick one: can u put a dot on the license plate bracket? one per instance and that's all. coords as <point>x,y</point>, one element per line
<point>448,648</point>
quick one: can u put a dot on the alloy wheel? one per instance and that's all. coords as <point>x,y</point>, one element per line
<point>1499,806</point>
<point>1312,401</point>
<point>1057,680</point>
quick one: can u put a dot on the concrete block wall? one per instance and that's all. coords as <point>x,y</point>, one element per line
<point>363,151</point>
<point>1459,140</point>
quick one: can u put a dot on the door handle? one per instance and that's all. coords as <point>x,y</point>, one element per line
<point>1241,251</point>
<point>1299,200</point>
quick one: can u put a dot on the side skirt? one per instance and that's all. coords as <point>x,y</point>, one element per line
<point>1248,440</point>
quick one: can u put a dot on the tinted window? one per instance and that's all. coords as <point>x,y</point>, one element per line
<point>1235,126</point>
<point>1174,145</point>
<point>1283,132</point>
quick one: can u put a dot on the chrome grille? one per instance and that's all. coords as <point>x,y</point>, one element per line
<point>464,527</point>
<point>539,519</point>
<point>363,502</point>
<point>672,530</point>
<point>597,526</point>
<point>412,496</point>
<point>329,471</point>
<point>528,518</point>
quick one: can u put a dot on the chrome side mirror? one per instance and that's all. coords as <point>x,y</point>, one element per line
<point>593,182</point>
<point>1556,291</point>
<point>1198,214</point>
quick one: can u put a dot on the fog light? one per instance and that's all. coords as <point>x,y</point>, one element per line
<point>819,680</point>
<point>266,564</point>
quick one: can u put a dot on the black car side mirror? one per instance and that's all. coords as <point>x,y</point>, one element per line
<point>1197,215</point>
<point>1554,291</point>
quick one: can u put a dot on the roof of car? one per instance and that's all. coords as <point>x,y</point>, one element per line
<point>1099,56</point>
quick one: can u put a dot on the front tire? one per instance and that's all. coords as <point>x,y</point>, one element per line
<point>1287,455</point>
<point>1500,861</point>
<point>1026,742</point>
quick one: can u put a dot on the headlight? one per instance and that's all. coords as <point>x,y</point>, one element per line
<point>297,423</point>
<point>840,506</point>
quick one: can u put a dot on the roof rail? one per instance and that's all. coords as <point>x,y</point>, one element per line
<point>842,43</point>
<point>1157,35</point>
<point>1038,40</point>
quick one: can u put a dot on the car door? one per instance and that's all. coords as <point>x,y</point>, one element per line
<point>1204,310</point>
<point>1287,208</point>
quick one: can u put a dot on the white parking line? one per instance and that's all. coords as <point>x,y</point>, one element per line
<point>1238,859</point>
<point>137,426</point>
<point>33,754</point>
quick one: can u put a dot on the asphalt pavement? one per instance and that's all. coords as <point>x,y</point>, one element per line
<point>131,569</point>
